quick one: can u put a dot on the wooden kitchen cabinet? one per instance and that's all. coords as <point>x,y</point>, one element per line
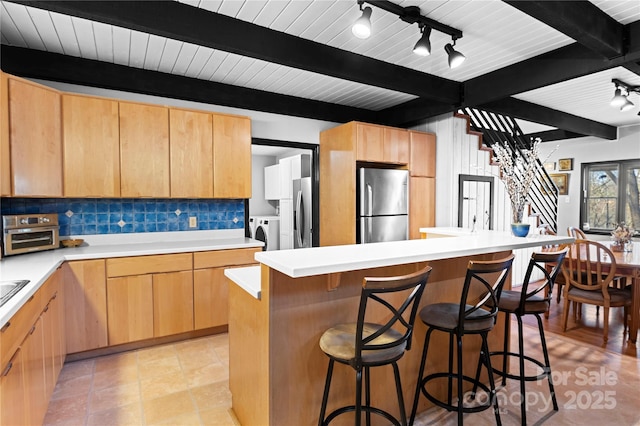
<point>35,382</point>
<point>231,156</point>
<point>191,153</point>
<point>35,139</point>
<point>91,146</point>
<point>85,304</point>
<point>380,144</point>
<point>172,303</point>
<point>422,200</point>
<point>144,150</point>
<point>129,308</point>
<point>396,146</point>
<point>5,164</point>
<point>423,154</point>
<point>13,407</point>
<point>211,287</point>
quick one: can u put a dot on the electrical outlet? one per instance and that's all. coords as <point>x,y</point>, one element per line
<point>193,222</point>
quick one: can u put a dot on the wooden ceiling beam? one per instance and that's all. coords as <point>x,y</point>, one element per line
<point>581,20</point>
<point>550,117</point>
<point>189,24</point>
<point>69,69</point>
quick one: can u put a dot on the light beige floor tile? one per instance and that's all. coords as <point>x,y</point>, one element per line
<point>167,407</point>
<point>115,377</point>
<point>119,361</point>
<point>69,409</point>
<point>73,370</point>
<point>126,415</point>
<point>210,373</point>
<point>213,395</point>
<point>218,417</point>
<point>159,365</point>
<point>186,419</point>
<point>80,385</point>
<point>162,385</point>
<point>155,353</point>
<point>115,396</point>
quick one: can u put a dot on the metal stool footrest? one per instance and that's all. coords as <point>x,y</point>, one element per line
<point>452,407</point>
<point>365,408</point>
<point>508,375</point>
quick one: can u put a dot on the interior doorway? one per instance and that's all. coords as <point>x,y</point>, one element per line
<point>475,202</point>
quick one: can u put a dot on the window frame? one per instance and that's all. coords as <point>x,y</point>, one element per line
<point>622,166</point>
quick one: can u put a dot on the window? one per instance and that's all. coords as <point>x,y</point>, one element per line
<point>610,194</point>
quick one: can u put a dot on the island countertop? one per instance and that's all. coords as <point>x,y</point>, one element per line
<point>325,260</point>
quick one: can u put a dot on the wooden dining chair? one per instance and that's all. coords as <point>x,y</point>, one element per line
<point>589,268</point>
<point>576,233</point>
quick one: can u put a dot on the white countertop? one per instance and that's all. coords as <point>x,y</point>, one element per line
<point>324,260</point>
<point>247,278</point>
<point>37,267</point>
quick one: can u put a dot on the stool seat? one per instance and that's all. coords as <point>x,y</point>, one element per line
<point>339,343</point>
<point>446,317</point>
<point>510,303</point>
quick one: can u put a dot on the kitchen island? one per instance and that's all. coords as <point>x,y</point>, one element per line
<point>277,370</point>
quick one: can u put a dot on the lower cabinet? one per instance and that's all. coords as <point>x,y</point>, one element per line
<point>29,376</point>
<point>172,303</point>
<point>130,309</point>
<point>422,200</point>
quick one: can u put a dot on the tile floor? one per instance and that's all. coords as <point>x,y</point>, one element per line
<point>186,383</point>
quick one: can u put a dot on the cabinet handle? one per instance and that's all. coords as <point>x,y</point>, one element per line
<point>46,308</point>
<point>6,370</point>
<point>32,330</point>
<point>4,327</point>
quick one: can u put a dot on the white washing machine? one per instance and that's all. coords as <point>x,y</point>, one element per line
<point>268,231</point>
<point>253,224</point>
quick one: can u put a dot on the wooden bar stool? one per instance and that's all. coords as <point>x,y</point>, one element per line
<point>362,344</point>
<point>474,314</point>
<point>529,301</point>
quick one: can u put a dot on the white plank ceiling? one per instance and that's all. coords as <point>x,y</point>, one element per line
<point>495,35</point>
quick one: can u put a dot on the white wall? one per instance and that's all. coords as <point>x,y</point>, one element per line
<point>258,206</point>
<point>587,150</point>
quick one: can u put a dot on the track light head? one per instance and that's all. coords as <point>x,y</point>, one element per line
<point>423,46</point>
<point>618,98</point>
<point>455,58</point>
<point>627,105</point>
<point>362,27</point>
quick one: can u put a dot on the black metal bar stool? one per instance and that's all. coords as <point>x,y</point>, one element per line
<point>363,345</point>
<point>475,314</point>
<point>529,301</point>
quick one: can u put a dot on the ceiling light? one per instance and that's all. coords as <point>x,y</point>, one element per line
<point>362,27</point>
<point>627,105</point>
<point>423,46</point>
<point>618,98</point>
<point>455,58</point>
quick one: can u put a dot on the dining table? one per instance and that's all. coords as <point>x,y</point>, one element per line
<point>628,265</point>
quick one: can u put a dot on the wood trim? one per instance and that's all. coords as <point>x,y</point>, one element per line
<point>218,258</point>
<point>140,265</point>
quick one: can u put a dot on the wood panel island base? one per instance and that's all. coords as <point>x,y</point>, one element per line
<point>276,368</point>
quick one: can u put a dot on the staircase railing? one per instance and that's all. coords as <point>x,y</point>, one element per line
<point>504,130</point>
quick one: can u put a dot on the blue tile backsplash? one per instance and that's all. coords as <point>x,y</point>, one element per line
<point>90,216</point>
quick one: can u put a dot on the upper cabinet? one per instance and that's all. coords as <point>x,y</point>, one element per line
<point>35,139</point>
<point>382,144</point>
<point>91,146</point>
<point>144,150</point>
<point>231,156</point>
<point>191,154</point>
<point>423,154</point>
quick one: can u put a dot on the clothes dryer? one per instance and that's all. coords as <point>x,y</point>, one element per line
<point>268,231</point>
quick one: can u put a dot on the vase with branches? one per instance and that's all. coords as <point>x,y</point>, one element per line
<point>517,171</point>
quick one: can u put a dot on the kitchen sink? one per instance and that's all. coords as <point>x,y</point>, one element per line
<point>9,288</point>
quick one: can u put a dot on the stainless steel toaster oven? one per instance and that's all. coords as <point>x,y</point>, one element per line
<point>26,233</point>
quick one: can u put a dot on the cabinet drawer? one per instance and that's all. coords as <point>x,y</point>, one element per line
<point>140,265</point>
<point>14,330</point>
<point>214,259</point>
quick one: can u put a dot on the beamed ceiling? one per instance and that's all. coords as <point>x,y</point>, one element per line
<point>544,62</point>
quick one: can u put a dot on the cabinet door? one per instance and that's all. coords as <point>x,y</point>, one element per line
<point>13,408</point>
<point>91,146</point>
<point>172,303</point>
<point>286,224</point>
<point>144,150</point>
<point>191,154</point>
<point>35,139</point>
<point>423,154</point>
<point>231,156</point>
<point>211,294</point>
<point>422,205</point>
<point>396,146</point>
<point>370,143</point>
<point>5,168</point>
<point>35,373</point>
<point>85,304</point>
<point>130,309</point>
<point>272,182</point>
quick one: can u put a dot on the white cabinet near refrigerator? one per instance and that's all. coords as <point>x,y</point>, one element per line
<point>286,224</point>
<point>272,182</point>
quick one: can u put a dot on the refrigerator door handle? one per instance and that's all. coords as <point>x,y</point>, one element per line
<point>369,199</point>
<point>298,218</point>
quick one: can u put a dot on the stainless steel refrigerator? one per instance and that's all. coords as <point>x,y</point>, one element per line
<point>382,205</point>
<point>302,209</point>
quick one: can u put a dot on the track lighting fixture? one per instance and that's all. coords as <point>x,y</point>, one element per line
<point>455,58</point>
<point>362,27</point>
<point>423,46</point>
<point>621,95</point>
<point>410,14</point>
